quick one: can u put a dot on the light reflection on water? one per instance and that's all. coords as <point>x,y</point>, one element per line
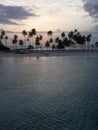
<point>54,93</point>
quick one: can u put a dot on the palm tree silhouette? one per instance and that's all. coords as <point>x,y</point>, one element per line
<point>24,33</point>
<point>40,38</point>
<point>57,39</point>
<point>63,35</point>
<point>2,35</point>
<point>33,33</point>
<point>51,40</point>
<point>75,31</point>
<point>6,39</point>
<point>81,40</point>
<point>71,35</point>
<point>88,39</point>
<point>21,43</point>
<point>60,44</point>
<point>15,40</point>
<point>37,41</point>
<point>47,44</point>
<point>30,37</point>
<point>53,46</point>
<point>50,33</point>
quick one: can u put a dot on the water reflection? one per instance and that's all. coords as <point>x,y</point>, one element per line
<point>53,93</point>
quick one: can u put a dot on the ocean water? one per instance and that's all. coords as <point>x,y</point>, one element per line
<point>49,93</point>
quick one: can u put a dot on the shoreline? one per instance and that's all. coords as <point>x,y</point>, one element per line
<point>49,53</point>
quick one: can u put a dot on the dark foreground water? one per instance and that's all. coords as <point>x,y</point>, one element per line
<point>49,93</point>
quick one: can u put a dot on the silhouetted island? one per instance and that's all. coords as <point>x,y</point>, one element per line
<point>71,42</point>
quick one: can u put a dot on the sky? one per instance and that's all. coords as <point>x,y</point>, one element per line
<point>45,15</point>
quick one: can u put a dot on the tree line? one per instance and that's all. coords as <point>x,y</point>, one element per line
<point>32,40</point>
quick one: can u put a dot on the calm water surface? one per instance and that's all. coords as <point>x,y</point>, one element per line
<point>49,93</point>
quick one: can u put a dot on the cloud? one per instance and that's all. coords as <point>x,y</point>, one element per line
<point>91,6</point>
<point>11,14</point>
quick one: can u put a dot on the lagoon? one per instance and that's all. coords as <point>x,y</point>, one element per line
<point>49,93</point>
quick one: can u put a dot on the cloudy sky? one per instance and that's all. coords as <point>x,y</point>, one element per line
<point>44,15</point>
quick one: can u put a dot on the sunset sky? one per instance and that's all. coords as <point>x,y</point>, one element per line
<point>64,15</point>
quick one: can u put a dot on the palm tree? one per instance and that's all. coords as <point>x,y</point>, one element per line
<point>15,37</point>
<point>30,37</point>
<point>6,39</point>
<point>24,33</point>
<point>67,42</point>
<point>71,35</point>
<point>88,39</point>
<point>14,41</point>
<point>63,35</point>
<point>53,46</point>
<point>71,40</point>
<point>33,32</point>
<point>37,40</point>
<point>47,44</point>
<point>60,45</point>
<point>81,40</point>
<point>50,33</point>
<point>57,40</point>
<point>75,31</point>
<point>2,35</point>
<point>51,40</point>
<point>21,43</point>
<point>40,38</point>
